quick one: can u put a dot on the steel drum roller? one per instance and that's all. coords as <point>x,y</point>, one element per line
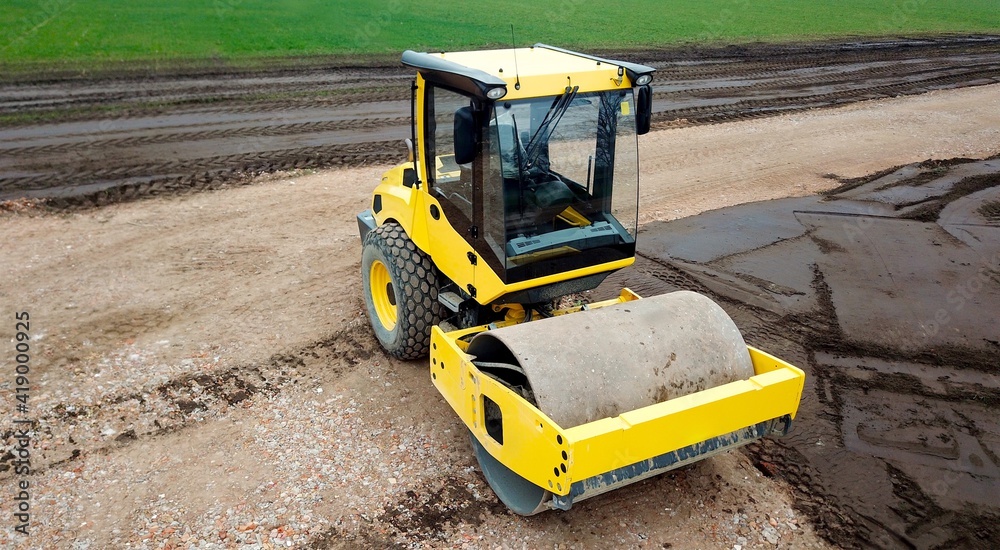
<point>598,364</point>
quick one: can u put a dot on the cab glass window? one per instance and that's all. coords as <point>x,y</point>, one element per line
<point>451,183</point>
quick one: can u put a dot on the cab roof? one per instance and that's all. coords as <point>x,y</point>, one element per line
<point>540,70</point>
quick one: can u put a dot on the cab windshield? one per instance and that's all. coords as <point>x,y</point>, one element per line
<point>562,182</point>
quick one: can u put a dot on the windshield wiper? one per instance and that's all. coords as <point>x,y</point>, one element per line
<point>520,166</point>
<point>547,126</point>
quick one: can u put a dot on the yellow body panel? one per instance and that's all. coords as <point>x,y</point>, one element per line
<point>534,446</point>
<point>410,208</point>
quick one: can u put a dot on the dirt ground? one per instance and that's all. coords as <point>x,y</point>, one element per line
<point>203,373</point>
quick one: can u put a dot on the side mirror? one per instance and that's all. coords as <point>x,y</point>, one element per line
<point>465,135</point>
<point>643,109</point>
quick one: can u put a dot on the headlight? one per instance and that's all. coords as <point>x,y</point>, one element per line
<point>643,79</point>
<point>496,93</point>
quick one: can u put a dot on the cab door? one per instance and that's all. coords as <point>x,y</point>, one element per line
<point>452,188</point>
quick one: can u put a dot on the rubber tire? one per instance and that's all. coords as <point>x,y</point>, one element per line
<point>414,279</point>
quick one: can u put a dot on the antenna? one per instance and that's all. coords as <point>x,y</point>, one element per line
<point>513,47</point>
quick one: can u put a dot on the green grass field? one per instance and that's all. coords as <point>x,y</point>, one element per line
<point>98,32</point>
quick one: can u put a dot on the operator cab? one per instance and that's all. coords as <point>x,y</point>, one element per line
<point>538,184</point>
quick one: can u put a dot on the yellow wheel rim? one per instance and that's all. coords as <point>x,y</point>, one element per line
<point>383,296</point>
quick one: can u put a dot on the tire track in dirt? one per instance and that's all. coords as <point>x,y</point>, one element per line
<point>72,430</point>
<point>246,131</point>
<point>125,106</point>
<point>774,79</point>
<point>113,184</point>
<point>758,108</point>
<point>80,142</point>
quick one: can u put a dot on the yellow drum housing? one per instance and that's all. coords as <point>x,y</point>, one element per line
<point>624,420</point>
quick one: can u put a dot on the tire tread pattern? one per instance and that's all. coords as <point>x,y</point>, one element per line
<point>417,281</point>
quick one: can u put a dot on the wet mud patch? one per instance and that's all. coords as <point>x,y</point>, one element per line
<point>894,283</point>
<point>897,442</point>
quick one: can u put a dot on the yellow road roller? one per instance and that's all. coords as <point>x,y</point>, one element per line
<point>521,188</point>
